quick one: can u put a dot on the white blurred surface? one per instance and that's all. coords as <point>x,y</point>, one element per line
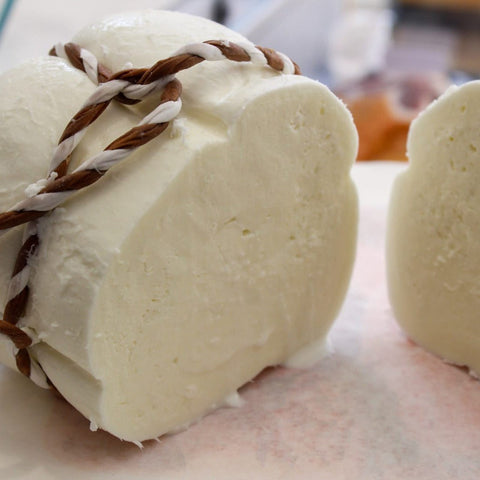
<point>359,44</point>
<point>34,26</point>
<point>298,28</point>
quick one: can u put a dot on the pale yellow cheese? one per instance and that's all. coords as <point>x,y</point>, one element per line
<point>222,247</point>
<point>433,247</point>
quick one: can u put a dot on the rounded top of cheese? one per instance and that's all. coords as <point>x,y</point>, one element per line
<point>140,39</point>
<point>39,97</point>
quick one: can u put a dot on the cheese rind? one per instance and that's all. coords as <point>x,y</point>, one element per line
<point>221,247</point>
<point>433,248</point>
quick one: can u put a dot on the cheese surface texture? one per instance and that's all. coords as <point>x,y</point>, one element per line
<point>221,247</point>
<point>433,247</point>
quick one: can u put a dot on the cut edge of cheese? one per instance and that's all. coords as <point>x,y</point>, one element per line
<point>432,247</point>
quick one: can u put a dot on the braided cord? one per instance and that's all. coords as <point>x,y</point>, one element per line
<point>128,86</point>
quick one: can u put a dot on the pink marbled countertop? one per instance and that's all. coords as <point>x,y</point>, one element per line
<point>378,407</point>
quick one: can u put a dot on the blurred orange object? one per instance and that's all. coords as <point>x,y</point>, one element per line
<point>381,134</point>
<point>383,107</point>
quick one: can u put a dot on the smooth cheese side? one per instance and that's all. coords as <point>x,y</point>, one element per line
<point>222,247</point>
<point>433,247</point>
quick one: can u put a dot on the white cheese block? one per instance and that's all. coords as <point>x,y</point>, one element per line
<point>222,247</point>
<point>433,240</point>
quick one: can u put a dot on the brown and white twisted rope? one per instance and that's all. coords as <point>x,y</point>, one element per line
<point>127,86</point>
<point>86,174</point>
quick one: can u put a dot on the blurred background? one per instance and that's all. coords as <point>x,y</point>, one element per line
<point>387,59</point>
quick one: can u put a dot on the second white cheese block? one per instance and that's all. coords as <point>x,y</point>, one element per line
<point>433,238</point>
<point>222,247</point>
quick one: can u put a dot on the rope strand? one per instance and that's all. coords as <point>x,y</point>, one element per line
<point>128,86</point>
